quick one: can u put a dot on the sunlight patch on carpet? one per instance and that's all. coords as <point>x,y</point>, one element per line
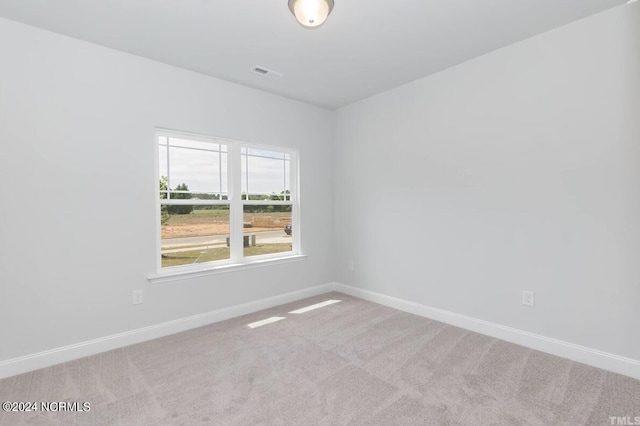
<point>316,306</point>
<point>264,322</point>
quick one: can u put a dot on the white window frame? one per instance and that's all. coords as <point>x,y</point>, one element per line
<point>236,204</point>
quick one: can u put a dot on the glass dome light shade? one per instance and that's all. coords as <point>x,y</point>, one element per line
<point>311,13</point>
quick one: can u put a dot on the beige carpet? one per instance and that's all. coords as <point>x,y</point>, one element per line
<point>353,362</point>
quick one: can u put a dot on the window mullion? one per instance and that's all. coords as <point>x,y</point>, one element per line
<point>234,171</point>
<point>220,170</point>
<point>294,197</point>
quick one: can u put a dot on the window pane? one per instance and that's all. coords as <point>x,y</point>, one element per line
<point>267,229</point>
<point>192,167</point>
<point>265,173</point>
<point>193,234</point>
<point>198,170</point>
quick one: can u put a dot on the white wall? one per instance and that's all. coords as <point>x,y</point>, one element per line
<point>77,216</point>
<point>517,170</point>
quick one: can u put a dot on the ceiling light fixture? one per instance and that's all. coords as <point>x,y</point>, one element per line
<point>311,13</point>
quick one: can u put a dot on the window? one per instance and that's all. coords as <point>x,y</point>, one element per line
<point>224,202</point>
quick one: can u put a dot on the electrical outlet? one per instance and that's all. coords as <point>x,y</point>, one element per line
<point>528,298</point>
<point>352,265</point>
<point>137,297</point>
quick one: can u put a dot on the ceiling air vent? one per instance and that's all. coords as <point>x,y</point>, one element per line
<point>274,75</point>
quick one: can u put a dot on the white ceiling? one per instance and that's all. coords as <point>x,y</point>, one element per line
<point>365,47</point>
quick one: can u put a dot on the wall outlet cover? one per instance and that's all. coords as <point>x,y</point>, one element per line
<point>137,297</point>
<point>528,298</point>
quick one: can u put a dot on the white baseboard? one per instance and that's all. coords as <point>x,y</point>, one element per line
<point>606,361</point>
<point>50,357</point>
<point>593,357</point>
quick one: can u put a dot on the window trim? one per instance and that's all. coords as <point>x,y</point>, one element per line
<point>237,261</point>
<point>175,275</point>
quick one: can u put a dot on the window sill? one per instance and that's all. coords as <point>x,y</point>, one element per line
<point>175,275</point>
